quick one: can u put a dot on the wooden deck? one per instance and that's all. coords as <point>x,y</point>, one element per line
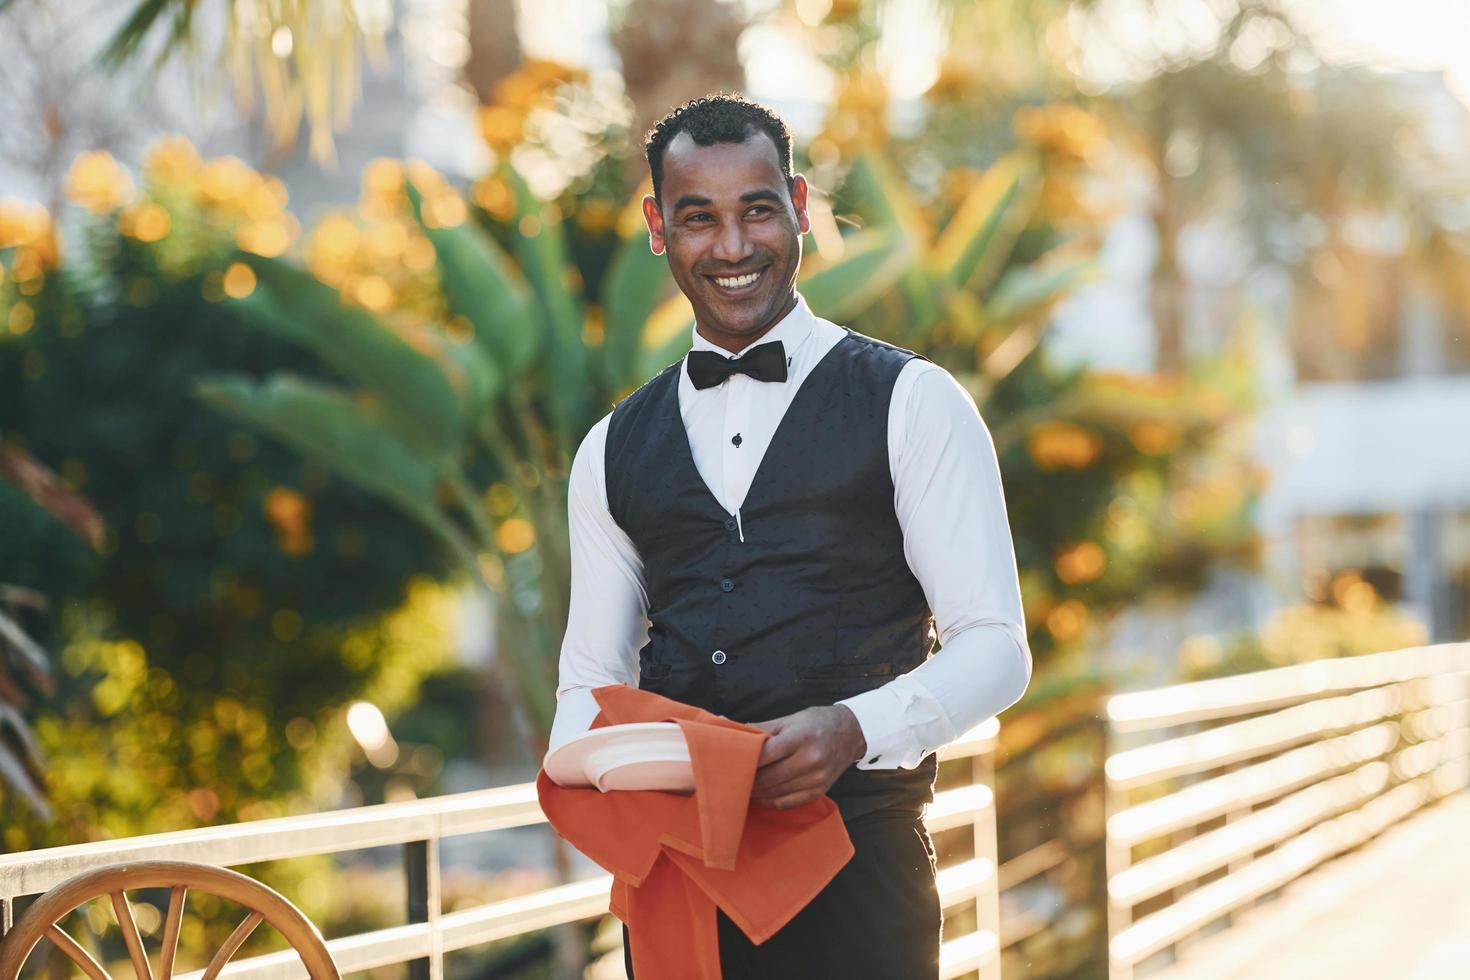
<point>1398,907</point>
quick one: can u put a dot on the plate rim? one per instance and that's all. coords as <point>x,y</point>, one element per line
<point>627,728</point>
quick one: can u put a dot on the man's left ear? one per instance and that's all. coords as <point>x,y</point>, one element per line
<point>798,201</point>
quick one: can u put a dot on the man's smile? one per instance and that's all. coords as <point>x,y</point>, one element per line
<point>738,285</point>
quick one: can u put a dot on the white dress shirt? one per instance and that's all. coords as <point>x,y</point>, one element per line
<point>949,503</point>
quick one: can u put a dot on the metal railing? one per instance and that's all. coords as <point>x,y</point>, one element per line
<point>1218,792</point>
<point>1231,788</point>
<point>420,825</point>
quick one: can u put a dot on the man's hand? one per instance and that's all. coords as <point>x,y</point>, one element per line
<point>805,754</point>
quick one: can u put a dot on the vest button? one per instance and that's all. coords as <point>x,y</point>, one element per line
<point>718,656</point>
<point>729,523</point>
<point>726,585</point>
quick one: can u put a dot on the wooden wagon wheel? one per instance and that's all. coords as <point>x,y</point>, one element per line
<point>42,919</point>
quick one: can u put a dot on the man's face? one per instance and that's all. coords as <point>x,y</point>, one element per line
<point>732,233</point>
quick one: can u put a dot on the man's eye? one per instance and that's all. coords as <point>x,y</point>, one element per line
<point>697,216</point>
<point>760,209</point>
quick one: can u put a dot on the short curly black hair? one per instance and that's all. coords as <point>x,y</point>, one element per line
<point>712,119</point>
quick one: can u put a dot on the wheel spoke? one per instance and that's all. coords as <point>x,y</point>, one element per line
<point>241,933</point>
<point>75,952</point>
<point>171,933</point>
<point>131,939</point>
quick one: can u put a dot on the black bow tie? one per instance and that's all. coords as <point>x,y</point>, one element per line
<point>764,362</point>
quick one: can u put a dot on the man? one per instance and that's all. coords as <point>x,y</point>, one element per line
<point>777,528</point>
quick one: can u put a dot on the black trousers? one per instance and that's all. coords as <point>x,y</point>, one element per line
<point>878,919</point>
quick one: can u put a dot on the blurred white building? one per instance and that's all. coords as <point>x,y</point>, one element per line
<point>1366,437</point>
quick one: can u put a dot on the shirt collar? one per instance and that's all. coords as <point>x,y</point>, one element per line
<point>791,330</point>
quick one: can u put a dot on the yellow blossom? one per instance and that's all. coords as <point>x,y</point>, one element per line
<point>171,162</point>
<point>270,237</point>
<point>372,292</point>
<point>149,222</point>
<point>1058,445</point>
<point>98,182</point>
<point>239,280</point>
<point>1155,436</point>
<point>1067,621</point>
<point>225,182</point>
<point>515,535</point>
<point>1082,562</point>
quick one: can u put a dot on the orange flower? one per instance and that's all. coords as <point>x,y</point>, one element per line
<point>1059,445</point>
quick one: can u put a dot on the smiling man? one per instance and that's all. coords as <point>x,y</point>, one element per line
<point>777,528</point>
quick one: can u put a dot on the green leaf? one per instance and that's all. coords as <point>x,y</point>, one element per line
<point>637,281</point>
<point>872,262</point>
<point>881,195</point>
<point>541,248</point>
<point>973,248</point>
<point>472,371</point>
<point>325,424</point>
<point>420,400</point>
<point>667,336</point>
<point>481,283</point>
<point>1025,290</point>
<point>19,650</point>
<point>129,37</point>
<point>21,764</point>
<point>883,199</point>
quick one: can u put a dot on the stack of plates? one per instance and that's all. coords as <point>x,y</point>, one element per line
<point>644,755</point>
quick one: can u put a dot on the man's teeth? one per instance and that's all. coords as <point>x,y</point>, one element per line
<point>738,281</point>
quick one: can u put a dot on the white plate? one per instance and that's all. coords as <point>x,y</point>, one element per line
<point>643,755</point>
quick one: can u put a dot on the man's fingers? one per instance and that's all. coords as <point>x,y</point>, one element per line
<point>780,745</point>
<point>788,800</point>
<point>808,788</point>
<point>776,775</point>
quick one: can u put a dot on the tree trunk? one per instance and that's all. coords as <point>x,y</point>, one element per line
<point>676,50</point>
<point>495,45</point>
<point>1166,292</point>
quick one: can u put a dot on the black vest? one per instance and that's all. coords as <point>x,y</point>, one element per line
<point>818,602</point>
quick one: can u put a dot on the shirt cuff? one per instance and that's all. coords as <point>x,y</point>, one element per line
<point>576,709</point>
<point>886,716</point>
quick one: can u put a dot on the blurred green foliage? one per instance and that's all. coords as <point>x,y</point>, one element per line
<point>204,667</point>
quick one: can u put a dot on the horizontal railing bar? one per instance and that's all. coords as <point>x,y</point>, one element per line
<point>1021,926</point>
<point>1443,717</point>
<point>976,741</point>
<point>1262,690</point>
<point>459,930</point>
<point>518,916</point>
<point>1241,740</point>
<point>527,913</point>
<point>957,807</point>
<point>279,838</point>
<point>351,954</point>
<point>512,917</point>
<point>962,882</point>
<point>1421,757</point>
<point>1243,788</point>
<point>1263,828</point>
<point>33,872</point>
<point>1028,864</point>
<point>966,954</point>
<point>1289,861</point>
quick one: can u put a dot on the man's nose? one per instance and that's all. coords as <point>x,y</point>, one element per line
<point>732,245</point>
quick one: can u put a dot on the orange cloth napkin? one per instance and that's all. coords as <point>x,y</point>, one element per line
<point>674,858</point>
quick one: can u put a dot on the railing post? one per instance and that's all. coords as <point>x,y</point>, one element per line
<point>987,895</point>
<point>421,870</point>
<point>1116,856</point>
